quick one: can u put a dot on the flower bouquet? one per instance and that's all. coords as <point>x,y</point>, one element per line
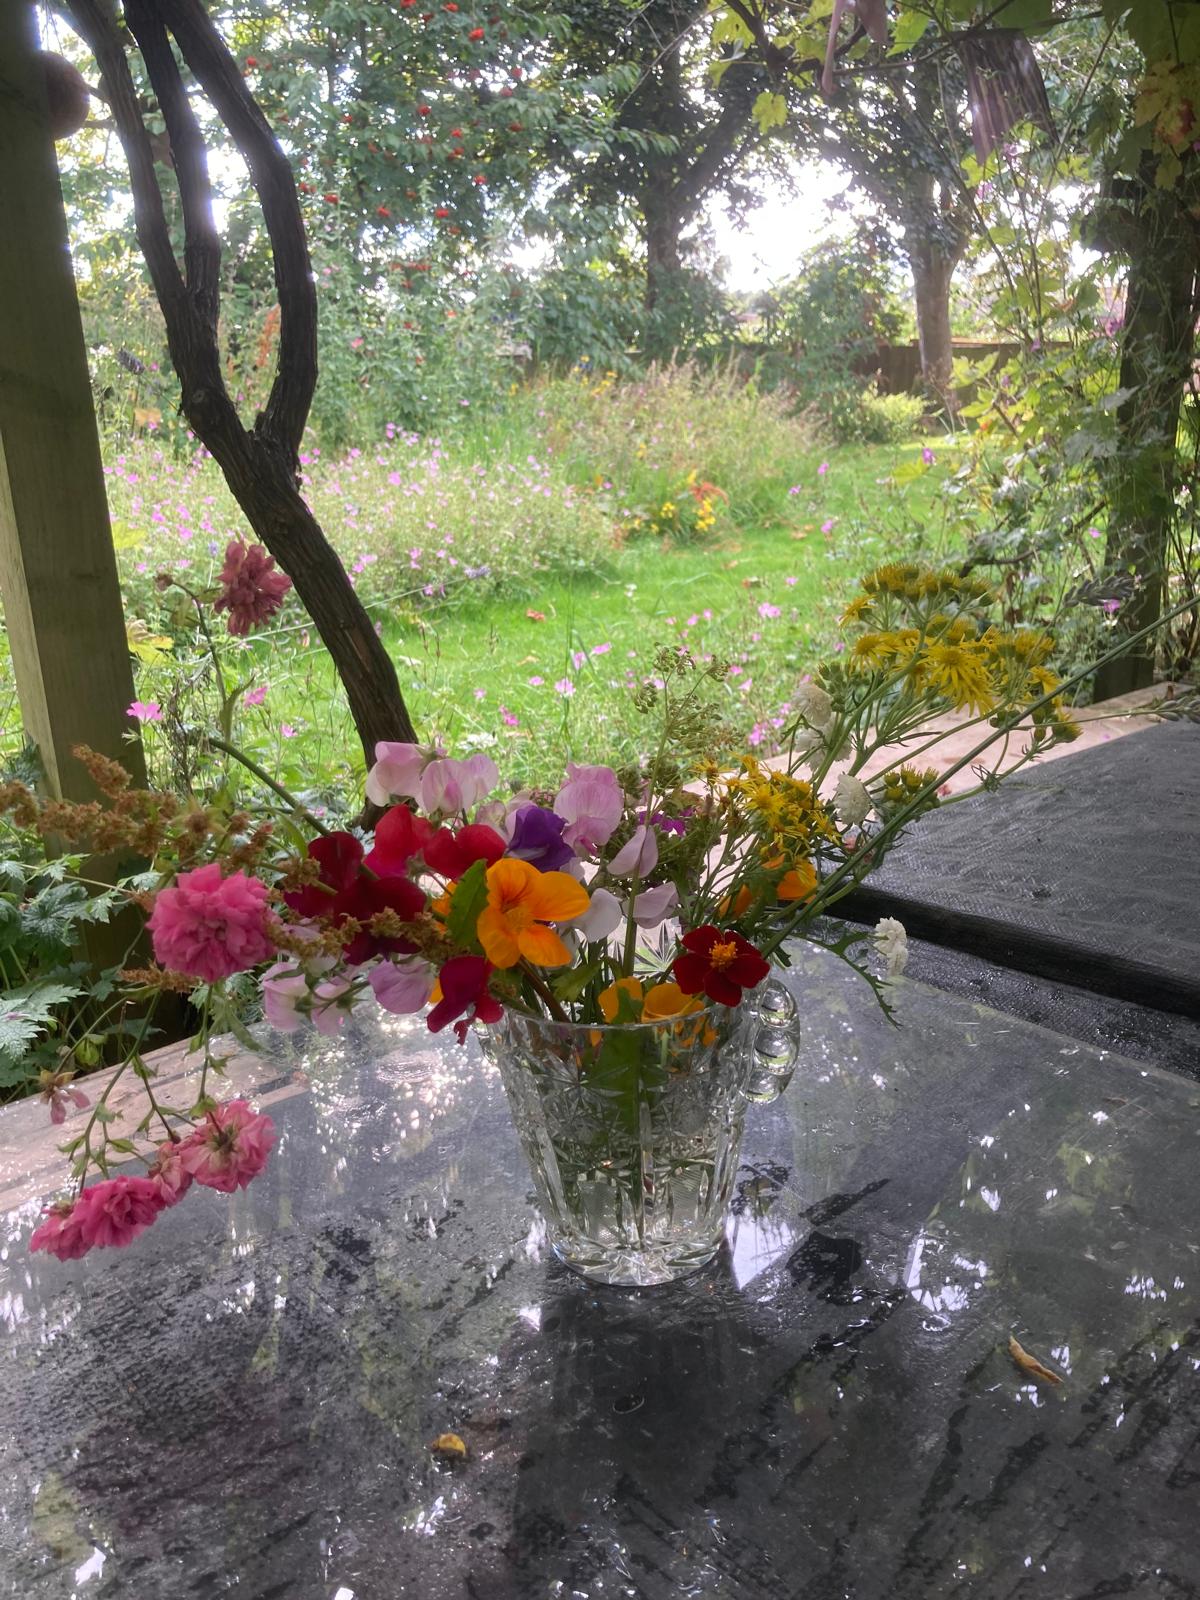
<point>610,939</point>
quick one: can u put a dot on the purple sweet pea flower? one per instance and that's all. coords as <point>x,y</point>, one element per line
<point>537,838</point>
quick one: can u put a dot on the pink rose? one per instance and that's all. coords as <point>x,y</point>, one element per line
<point>251,590</point>
<point>230,1148</point>
<point>210,927</point>
<point>113,1213</point>
<point>169,1173</point>
<point>591,801</point>
<point>61,1234</point>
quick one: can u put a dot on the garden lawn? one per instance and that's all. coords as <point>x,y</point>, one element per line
<point>516,585</point>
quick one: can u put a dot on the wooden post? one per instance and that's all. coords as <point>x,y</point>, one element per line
<point>58,573</point>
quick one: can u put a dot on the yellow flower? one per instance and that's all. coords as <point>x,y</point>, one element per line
<point>521,900</point>
<point>959,672</point>
<point>871,652</point>
<point>857,609</point>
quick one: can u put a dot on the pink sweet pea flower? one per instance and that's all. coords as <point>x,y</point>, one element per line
<point>291,997</point>
<point>61,1233</point>
<point>397,771</point>
<point>112,1213</point>
<point>210,927</point>
<point>251,589</point>
<point>452,786</point>
<point>145,711</point>
<point>591,801</point>
<point>403,987</point>
<point>230,1148</point>
<point>637,855</point>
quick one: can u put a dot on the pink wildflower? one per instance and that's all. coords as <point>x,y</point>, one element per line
<point>145,711</point>
<point>251,589</point>
<point>230,1149</point>
<point>208,926</point>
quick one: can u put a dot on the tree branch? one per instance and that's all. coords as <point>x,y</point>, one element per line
<point>202,248</point>
<point>286,412</point>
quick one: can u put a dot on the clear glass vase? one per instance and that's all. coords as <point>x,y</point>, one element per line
<point>633,1132</point>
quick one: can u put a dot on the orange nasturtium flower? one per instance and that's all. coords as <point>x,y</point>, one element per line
<point>521,900</point>
<point>609,999</point>
<point>668,1000</point>
<point>797,884</point>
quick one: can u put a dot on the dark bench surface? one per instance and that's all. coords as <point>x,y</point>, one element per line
<point>241,1403</point>
<point>1084,870</point>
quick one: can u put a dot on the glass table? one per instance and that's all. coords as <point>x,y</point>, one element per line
<point>243,1402</point>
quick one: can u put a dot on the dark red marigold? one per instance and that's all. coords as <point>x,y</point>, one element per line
<point>719,964</point>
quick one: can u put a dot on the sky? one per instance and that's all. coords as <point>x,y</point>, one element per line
<point>764,250</point>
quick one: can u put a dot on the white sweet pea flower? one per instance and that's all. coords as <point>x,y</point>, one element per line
<point>851,801</point>
<point>639,854</point>
<point>653,906</point>
<point>603,916</point>
<point>891,941</point>
<point>814,705</point>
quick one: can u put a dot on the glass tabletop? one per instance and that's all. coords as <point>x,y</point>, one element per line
<point>243,1401</point>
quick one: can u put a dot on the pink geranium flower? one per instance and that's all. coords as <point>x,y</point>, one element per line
<point>210,927</point>
<point>230,1148</point>
<point>251,589</point>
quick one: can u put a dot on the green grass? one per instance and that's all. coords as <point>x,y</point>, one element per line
<point>535,501</point>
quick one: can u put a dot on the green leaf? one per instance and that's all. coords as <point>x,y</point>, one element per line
<point>770,110</point>
<point>469,899</point>
<point>909,27</point>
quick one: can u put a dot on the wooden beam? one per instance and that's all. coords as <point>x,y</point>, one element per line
<point>58,573</point>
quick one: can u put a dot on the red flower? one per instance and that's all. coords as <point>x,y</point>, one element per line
<point>456,133</point>
<point>382,211</point>
<point>332,199</point>
<point>251,61</point>
<point>305,188</point>
<point>347,890</point>
<point>480,180</point>
<point>476,34</point>
<point>450,6</point>
<point>422,111</point>
<point>399,835</point>
<point>718,964</point>
<point>251,589</point>
<point>464,983</point>
<point>450,854</point>
<point>442,211</point>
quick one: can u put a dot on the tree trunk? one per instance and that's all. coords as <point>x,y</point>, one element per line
<point>1156,355</point>
<point>932,271</point>
<point>259,475</point>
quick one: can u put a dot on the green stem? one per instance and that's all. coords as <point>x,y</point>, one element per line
<point>264,777</point>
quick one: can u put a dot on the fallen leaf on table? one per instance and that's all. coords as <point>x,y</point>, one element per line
<point>1031,1364</point>
<point>450,1446</point>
